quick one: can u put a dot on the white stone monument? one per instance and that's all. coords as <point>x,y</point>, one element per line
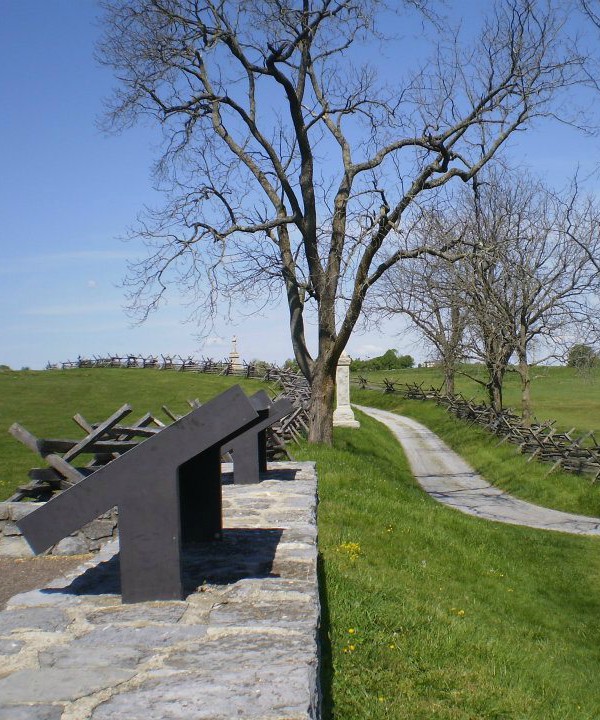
<point>234,356</point>
<point>343,415</point>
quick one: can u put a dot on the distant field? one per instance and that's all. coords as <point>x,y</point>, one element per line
<point>44,402</point>
<point>558,393</point>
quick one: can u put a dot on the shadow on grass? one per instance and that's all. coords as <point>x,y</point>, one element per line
<point>326,669</point>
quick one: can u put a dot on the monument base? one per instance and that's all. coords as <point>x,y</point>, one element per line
<point>344,417</point>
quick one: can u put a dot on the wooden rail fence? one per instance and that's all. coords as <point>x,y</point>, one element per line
<point>540,440</point>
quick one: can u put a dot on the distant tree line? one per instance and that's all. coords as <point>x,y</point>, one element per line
<point>583,357</point>
<point>390,360</point>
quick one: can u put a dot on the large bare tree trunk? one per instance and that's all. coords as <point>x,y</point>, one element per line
<point>322,373</point>
<point>321,406</point>
<point>494,387</point>
<point>449,379</point>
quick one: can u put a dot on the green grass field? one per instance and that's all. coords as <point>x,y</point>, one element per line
<point>428,614</point>
<point>432,614</point>
<point>564,394</point>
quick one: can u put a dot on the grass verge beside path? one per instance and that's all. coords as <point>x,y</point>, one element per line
<point>44,402</point>
<point>502,465</point>
<point>435,615</point>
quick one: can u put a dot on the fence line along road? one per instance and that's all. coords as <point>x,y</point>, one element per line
<point>540,440</point>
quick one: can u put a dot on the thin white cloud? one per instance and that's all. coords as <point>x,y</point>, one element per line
<point>367,350</point>
<point>70,310</point>
<point>215,341</point>
<point>27,263</point>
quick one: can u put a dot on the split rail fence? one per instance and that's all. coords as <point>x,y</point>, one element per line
<point>577,453</point>
<point>163,362</point>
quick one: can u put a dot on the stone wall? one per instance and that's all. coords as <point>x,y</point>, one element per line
<point>243,643</point>
<point>89,539</point>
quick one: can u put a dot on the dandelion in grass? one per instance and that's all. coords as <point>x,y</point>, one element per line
<point>352,631</point>
<point>456,611</point>
<point>351,549</point>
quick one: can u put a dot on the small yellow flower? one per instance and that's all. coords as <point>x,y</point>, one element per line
<point>352,549</point>
<point>461,613</point>
<point>392,646</point>
<point>351,631</point>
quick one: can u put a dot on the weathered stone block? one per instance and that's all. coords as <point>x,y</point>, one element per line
<point>20,510</point>
<point>30,712</point>
<point>99,529</point>
<point>10,529</point>
<point>45,619</point>
<point>10,647</point>
<point>71,546</point>
<point>54,684</point>
<point>15,546</point>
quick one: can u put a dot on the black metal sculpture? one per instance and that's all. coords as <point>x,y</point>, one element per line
<point>249,448</point>
<point>168,491</point>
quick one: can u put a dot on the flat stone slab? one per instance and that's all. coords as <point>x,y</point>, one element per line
<point>445,476</point>
<point>243,644</point>
<point>31,712</point>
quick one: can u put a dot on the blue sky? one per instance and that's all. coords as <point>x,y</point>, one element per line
<point>68,193</point>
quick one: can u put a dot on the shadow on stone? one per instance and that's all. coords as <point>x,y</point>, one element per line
<point>287,475</point>
<point>283,475</point>
<point>241,553</point>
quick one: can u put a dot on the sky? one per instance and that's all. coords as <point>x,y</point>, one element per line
<point>68,193</point>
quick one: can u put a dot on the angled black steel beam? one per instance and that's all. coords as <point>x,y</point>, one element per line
<point>249,449</point>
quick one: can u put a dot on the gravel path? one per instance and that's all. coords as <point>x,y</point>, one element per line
<point>450,480</point>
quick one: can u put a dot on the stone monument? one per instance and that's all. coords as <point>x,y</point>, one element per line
<point>234,357</point>
<point>343,415</point>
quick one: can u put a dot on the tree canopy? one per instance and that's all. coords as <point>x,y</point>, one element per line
<point>293,164</point>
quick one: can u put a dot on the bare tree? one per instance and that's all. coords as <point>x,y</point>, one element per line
<point>556,278</point>
<point>526,271</point>
<point>288,163</point>
<point>426,290</point>
<point>534,278</point>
